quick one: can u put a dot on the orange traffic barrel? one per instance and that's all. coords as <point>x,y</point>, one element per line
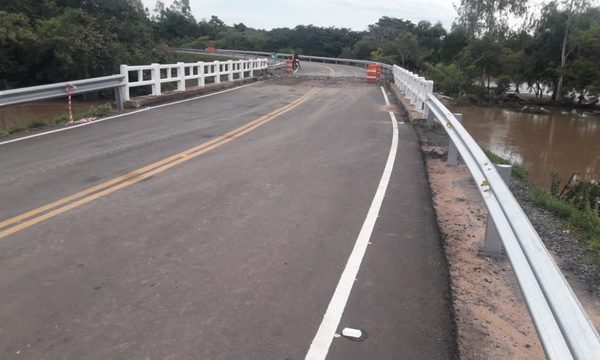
<point>290,66</point>
<point>373,72</point>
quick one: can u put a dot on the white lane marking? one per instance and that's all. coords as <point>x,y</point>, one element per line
<point>331,320</point>
<point>126,114</point>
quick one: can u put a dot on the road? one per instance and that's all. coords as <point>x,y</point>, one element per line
<point>222,228</point>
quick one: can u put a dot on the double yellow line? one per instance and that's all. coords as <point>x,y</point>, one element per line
<point>20,222</point>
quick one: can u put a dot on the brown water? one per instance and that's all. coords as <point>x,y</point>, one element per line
<point>46,111</point>
<point>562,141</point>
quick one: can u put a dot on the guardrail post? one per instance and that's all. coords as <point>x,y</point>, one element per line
<point>252,64</point>
<point>125,74</point>
<point>492,244</point>
<point>181,76</point>
<point>217,72</point>
<point>119,97</point>
<point>452,150</point>
<point>429,114</point>
<point>201,81</point>
<point>243,68</point>
<point>156,87</point>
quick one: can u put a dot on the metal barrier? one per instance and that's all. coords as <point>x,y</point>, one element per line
<point>148,75</point>
<point>563,327</point>
<point>43,92</point>
<point>223,52</point>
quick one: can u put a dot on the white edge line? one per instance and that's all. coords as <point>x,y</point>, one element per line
<point>126,114</point>
<point>331,320</point>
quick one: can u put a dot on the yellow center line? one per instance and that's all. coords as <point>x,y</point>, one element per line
<point>35,216</point>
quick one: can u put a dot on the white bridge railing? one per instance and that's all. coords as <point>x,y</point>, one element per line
<point>156,75</point>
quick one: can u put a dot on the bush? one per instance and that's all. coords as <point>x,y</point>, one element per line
<point>503,84</point>
<point>448,79</point>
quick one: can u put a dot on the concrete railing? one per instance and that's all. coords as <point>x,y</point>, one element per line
<point>414,86</point>
<point>156,75</point>
<point>563,327</point>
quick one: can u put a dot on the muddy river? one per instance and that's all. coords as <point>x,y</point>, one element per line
<point>563,141</point>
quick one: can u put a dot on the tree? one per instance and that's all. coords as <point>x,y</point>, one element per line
<point>571,9</point>
<point>583,74</point>
<point>17,38</point>
<point>488,17</point>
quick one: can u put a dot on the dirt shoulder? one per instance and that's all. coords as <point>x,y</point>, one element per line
<point>492,319</point>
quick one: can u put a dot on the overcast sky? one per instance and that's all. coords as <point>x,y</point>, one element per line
<point>354,14</point>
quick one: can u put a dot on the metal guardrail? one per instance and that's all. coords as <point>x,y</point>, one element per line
<point>224,52</point>
<point>43,92</point>
<point>563,327</point>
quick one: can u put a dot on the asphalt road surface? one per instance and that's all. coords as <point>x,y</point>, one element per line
<point>219,228</point>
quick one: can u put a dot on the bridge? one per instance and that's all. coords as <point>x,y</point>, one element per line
<point>260,221</point>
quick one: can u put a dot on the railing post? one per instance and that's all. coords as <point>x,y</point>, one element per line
<point>217,72</point>
<point>181,76</point>
<point>243,67</point>
<point>156,87</point>
<point>252,64</point>
<point>452,150</point>
<point>230,70</point>
<point>201,81</point>
<point>125,74</point>
<point>420,93</point>
<point>492,243</point>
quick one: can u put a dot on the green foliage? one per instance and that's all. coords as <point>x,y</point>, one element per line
<point>517,171</point>
<point>585,196</point>
<point>448,79</point>
<point>502,84</point>
<point>580,208</point>
<point>45,41</point>
<point>554,183</point>
<point>585,222</point>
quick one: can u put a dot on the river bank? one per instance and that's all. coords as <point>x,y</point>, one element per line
<point>491,316</point>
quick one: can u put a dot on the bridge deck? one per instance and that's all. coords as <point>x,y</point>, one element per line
<point>230,250</point>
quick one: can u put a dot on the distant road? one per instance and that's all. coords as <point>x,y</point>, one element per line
<point>219,228</point>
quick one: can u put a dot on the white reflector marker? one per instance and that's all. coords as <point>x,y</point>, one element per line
<point>354,334</point>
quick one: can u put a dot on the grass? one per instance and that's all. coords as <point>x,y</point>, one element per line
<point>517,171</point>
<point>93,111</point>
<point>584,221</point>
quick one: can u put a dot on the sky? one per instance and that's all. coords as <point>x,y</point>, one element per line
<point>354,14</point>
